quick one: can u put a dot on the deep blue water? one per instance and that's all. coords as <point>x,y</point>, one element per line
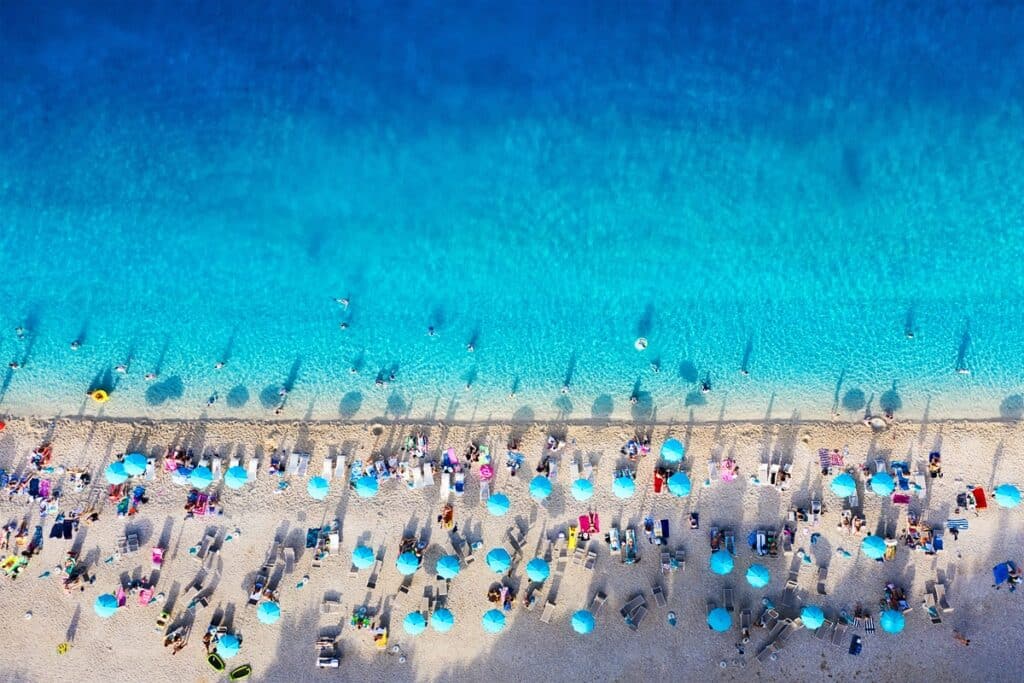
<point>784,187</point>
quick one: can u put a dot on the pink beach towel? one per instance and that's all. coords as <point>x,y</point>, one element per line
<point>44,488</point>
<point>122,599</point>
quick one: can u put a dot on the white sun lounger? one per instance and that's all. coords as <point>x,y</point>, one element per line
<point>446,479</point>
<point>150,474</point>
<point>339,467</point>
<point>293,464</point>
<point>326,468</point>
<point>762,473</point>
<point>485,491</point>
<point>215,468</point>
<point>428,474</point>
<point>460,483</point>
<point>333,542</point>
<point>553,469</point>
<point>235,461</point>
<point>303,463</point>
<point>417,477</point>
<point>588,471</point>
<point>251,467</point>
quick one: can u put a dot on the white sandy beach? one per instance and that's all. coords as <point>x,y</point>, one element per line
<point>125,647</point>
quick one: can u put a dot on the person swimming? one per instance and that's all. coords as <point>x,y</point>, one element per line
<point>343,302</point>
<point>565,390</point>
<point>431,332</point>
<point>75,345</point>
<point>353,370</point>
<point>150,376</point>
<point>656,367</point>
<point>218,365</point>
<point>470,348</point>
<point>705,386</point>
<point>343,325</point>
<point>121,369</point>
<point>19,332</point>
<point>14,365</point>
<point>213,399</point>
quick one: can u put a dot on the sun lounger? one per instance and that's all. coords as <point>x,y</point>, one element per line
<point>666,562</point>
<point>327,468</point>
<point>371,581</point>
<point>940,597</point>
<point>215,467</point>
<point>727,599</point>
<point>614,543</point>
<point>712,470</point>
<point>597,602</point>
<point>446,485</point>
<point>485,491</point>
<point>822,576</point>
<point>824,631</point>
<point>745,621</point>
<point>659,595</point>
<point>762,474</point>
<point>839,634</point>
<point>634,619</point>
<point>549,611</point>
<point>289,560</point>
<point>632,604</point>
<point>766,654</point>
<point>292,467</point>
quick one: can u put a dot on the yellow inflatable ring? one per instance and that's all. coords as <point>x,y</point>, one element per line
<point>100,396</point>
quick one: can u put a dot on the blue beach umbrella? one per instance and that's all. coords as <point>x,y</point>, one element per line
<point>812,617</point>
<point>447,566</point>
<point>540,487</point>
<point>537,570</point>
<point>498,504</point>
<point>493,621</point>
<point>414,623</point>
<point>583,622</point>
<point>721,562</point>
<point>1007,495</point>
<point>366,486</point>
<point>135,464</point>
<point>201,477</point>
<point>115,473</point>
<point>623,487</point>
<point>758,576</point>
<point>105,605</point>
<point>268,612</point>
<point>672,450</point>
<point>882,484</point>
<point>363,557</point>
<point>892,621</point>
<point>679,484</point>
<point>582,489</point>
<point>844,486</point>
<point>442,620</point>
<point>407,563</point>
<point>873,547</point>
<point>236,477</point>
<point>720,620</point>
<point>498,560</point>
<point>318,488</point>
<point>228,646</point>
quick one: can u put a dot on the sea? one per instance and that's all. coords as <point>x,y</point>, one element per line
<point>805,209</point>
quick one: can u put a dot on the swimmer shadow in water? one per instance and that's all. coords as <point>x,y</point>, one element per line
<point>1012,407</point>
<point>688,371</point>
<point>646,322</point>
<point>748,351</point>
<point>350,404</point>
<point>603,407</point>
<point>570,371</point>
<point>854,400</point>
<point>238,396</point>
<point>965,344</point>
<point>170,389</point>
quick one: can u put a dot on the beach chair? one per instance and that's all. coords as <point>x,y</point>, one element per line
<point>549,611</point>
<point>727,599</point>
<point>327,468</point>
<point>631,605</point>
<point>680,559</point>
<point>769,618</point>
<point>289,560</point>
<point>426,603</point>
<point>251,467</point>
<point>292,467</point>
<point>339,466</point>
<point>371,581</point>
<point>590,561</point>
<point>745,623</point>
<point>485,491</point>
<point>303,464</point>
<point>597,602</point>
<point>762,474</point>
<point>614,544</point>
<point>553,470</point>
<point>235,461</point>
<point>150,473</point>
<point>666,562</point>
<point>215,467</point>
<point>839,633</point>
<point>712,471</point>
<point>659,595</point>
<point>634,620</point>
<point>816,511</point>
<point>822,576</point>
<point>940,597</point>
<point>445,488</point>
<point>824,631</point>
<point>879,466</point>
<point>579,555</point>
<point>460,483</point>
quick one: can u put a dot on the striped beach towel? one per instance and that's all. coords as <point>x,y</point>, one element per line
<point>869,625</point>
<point>958,524</point>
<point>824,458</point>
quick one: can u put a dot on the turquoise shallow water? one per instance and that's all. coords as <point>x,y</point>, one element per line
<point>785,191</point>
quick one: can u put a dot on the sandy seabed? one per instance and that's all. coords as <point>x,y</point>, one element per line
<point>128,647</point>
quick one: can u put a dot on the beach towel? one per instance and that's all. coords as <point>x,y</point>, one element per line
<point>901,499</point>
<point>68,527</point>
<point>57,531</point>
<point>824,458</point>
<point>33,487</point>
<point>1001,573</point>
<point>44,488</point>
<point>979,498</point>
